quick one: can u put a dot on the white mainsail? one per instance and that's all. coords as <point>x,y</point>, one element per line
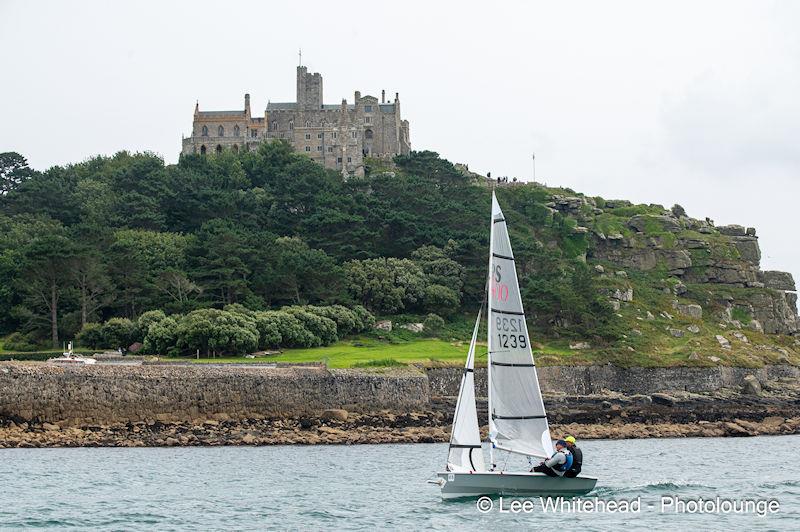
<point>465,440</point>
<point>517,420</point>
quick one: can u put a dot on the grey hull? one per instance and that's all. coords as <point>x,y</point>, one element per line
<point>455,485</point>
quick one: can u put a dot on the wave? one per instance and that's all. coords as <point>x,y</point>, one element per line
<point>657,487</point>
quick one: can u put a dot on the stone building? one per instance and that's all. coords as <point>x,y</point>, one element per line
<point>338,136</point>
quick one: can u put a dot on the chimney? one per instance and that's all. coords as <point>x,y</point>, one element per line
<point>357,96</point>
<point>396,96</point>
<point>383,96</point>
<point>247,105</point>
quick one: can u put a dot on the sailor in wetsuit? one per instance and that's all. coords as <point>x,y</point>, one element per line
<point>558,464</point>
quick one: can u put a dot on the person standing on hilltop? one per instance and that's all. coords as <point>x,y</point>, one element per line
<point>577,457</point>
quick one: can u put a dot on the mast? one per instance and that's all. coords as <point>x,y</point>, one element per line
<point>489,337</point>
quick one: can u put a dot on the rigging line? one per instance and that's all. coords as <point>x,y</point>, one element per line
<point>505,464</point>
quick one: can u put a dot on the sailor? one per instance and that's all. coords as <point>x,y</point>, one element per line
<point>577,457</point>
<point>558,464</point>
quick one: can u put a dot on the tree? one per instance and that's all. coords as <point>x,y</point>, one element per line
<point>90,278</point>
<point>138,259</point>
<point>302,275</point>
<point>180,289</point>
<point>220,259</point>
<point>13,171</point>
<point>47,261</point>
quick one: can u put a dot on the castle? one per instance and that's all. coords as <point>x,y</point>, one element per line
<point>337,136</point>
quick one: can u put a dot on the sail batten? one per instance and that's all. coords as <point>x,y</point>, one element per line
<point>517,418</point>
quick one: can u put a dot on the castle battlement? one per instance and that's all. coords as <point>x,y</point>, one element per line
<point>338,136</point>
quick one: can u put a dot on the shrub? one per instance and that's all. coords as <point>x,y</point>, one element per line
<point>19,342</point>
<point>161,337</point>
<point>118,332</point>
<point>91,335</point>
<point>269,330</point>
<point>433,324</point>
<point>145,320</point>
<point>322,328</point>
<point>217,331</point>
<point>347,321</point>
<point>293,332</point>
<point>441,299</point>
<point>365,318</point>
<point>238,308</point>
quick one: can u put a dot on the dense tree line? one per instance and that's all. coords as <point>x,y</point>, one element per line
<point>116,237</point>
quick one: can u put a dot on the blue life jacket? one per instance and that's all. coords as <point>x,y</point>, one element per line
<point>567,463</point>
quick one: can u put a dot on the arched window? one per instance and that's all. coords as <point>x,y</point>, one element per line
<point>235,148</point>
<point>220,131</point>
<point>205,131</point>
<point>236,130</point>
<point>219,148</point>
<point>308,123</point>
<point>275,126</point>
<point>203,149</point>
<point>291,124</point>
<point>368,134</point>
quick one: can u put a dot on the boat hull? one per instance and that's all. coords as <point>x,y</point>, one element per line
<point>457,485</point>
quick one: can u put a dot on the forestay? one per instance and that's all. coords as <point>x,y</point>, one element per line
<point>465,441</point>
<point>517,420</point>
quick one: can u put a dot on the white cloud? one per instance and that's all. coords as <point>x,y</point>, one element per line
<point>674,102</point>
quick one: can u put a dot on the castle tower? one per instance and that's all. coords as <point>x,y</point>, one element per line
<point>309,90</point>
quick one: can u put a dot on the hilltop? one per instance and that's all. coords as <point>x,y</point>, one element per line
<point>602,280</point>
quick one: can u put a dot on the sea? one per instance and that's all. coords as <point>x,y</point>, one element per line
<point>712,483</point>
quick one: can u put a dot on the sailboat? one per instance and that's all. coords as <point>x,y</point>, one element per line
<point>517,419</point>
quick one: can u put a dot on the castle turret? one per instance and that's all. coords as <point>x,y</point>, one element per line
<point>309,90</point>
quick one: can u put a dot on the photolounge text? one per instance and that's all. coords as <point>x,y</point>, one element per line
<point>668,504</point>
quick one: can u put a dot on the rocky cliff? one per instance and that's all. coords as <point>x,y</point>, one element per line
<point>684,287</point>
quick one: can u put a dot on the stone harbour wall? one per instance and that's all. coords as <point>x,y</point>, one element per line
<point>106,394</point>
<point>118,394</point>
<point>588,380</point>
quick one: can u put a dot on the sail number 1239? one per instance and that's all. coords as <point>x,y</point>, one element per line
<point>510,332</point>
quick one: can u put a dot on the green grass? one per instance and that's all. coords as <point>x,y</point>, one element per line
<point>365,352</point>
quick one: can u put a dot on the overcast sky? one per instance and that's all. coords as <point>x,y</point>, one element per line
<point>687,102</point>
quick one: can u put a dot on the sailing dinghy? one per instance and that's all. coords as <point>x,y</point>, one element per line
<point>517,419</point>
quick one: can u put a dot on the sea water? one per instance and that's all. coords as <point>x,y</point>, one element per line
<point>372,487</point>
